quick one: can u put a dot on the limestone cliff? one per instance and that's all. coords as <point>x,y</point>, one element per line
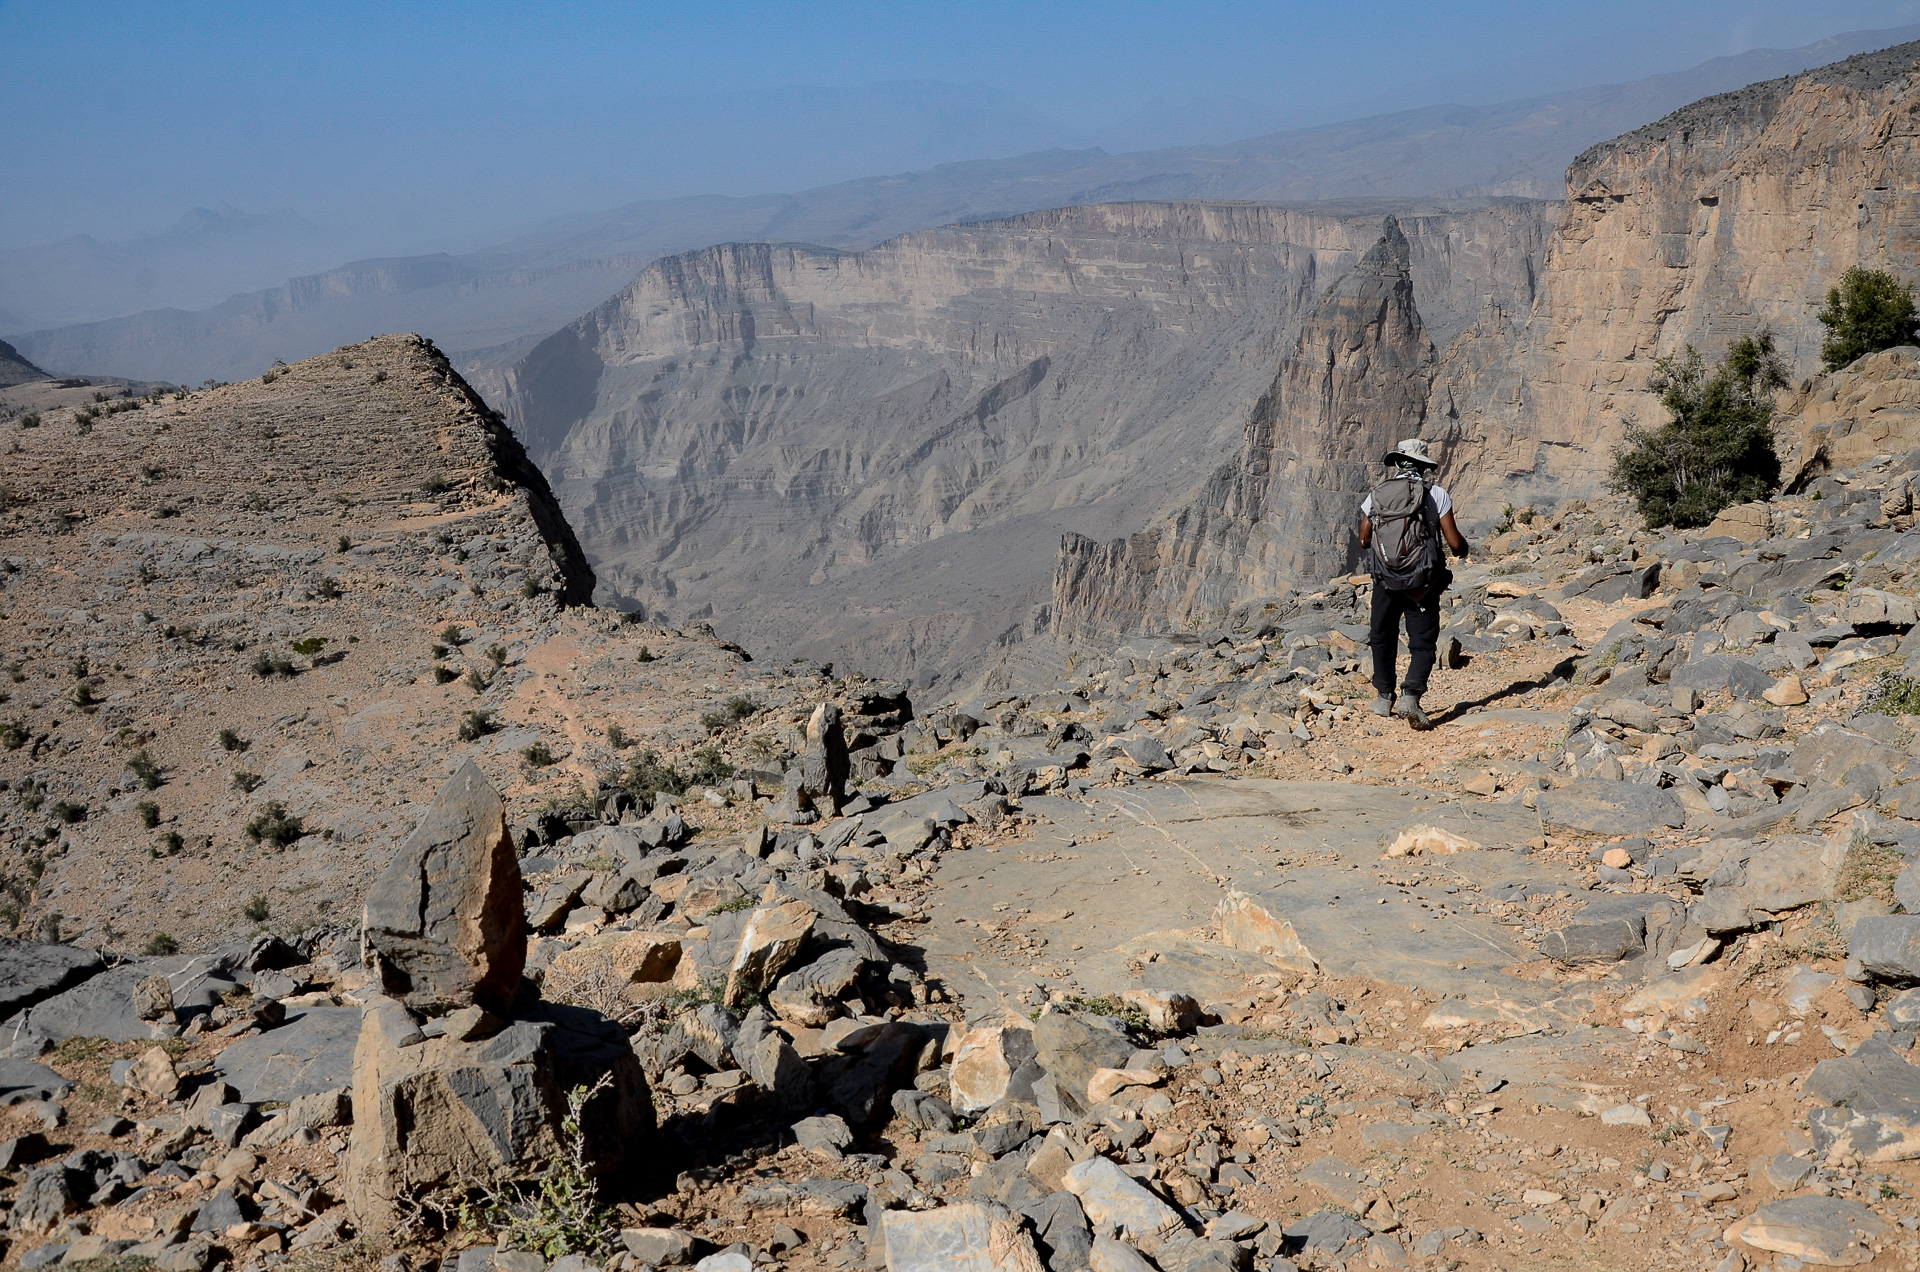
<point>871,456</point>
<point>1733,213</point>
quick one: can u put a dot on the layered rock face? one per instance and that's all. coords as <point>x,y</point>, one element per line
<point>1284,508</point>
<point>871,456</point>
<point>1736,212</point>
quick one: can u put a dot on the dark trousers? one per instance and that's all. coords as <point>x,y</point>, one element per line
<point>1423,636</point>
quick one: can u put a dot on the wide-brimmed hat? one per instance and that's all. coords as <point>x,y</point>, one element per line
<point>1413,450</point>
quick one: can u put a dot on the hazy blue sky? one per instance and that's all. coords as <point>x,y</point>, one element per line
<point>408,127</point>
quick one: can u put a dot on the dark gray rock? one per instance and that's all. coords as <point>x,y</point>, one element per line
<point>1888,946</point>
<point>1060,1231</point>
<point>24,1080</point>
<point>1873,1099</point>
<point>766,1056</point>
<point>1722,671</point>
<point>23,1150</point>
<point>310,1053</point>
<point>1605,941</point>
<point>445,922</point>
<point>1070,1047</point>
<point>1610,808</point>
<point>46,1196</point>
<point>1327,1230</point>
<point>31,972</point>
<point>220,1212</point>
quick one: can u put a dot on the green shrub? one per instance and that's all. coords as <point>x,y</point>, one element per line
<point>84,697</point>
<point>329,589</point>
<point>174,842</point>
<point>529,587</point>
<point>647,774</point>
<point>149,813</point>
<point>275,825</point>
<point>645,655</point>
<point>710,768</point>
<point>617,737</point>
<point>30,421</point>
<point>160,945</point>
<point>231,741</point>
<point>257,910</point>
<point>13,734</point>
<point>733,709</point>
<point>476,681</point>
<point>145,769</point>
<point>267,664</point>
<point>67,811</point>
<point>1868,311</point>
<point>436,485</point>
<point>247,782</point>
<point>1893,694</point>
<point>451,634</point>
<point>540,755</point>
<point>475,725</point>
<point>1717,450</point>
<point>445,675</point>
<point>497,655</point>
<point>559,1214</point>
<point>310,646</point>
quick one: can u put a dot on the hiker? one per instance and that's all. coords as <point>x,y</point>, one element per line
<point>1401,524</point>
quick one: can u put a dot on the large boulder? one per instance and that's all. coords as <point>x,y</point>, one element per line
<point>445,927</point>
<point>1888,946</point>
<point>429,1113</point>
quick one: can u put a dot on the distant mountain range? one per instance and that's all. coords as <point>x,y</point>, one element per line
<point>489,307</point>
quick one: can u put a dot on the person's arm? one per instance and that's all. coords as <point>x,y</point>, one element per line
<point>1455,540</point>
<point>1366,530</point>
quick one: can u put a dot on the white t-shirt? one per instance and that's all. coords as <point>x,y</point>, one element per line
<point>1442,502</point>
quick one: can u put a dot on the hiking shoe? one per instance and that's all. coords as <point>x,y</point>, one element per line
<point>1409,707</point>
<point>1383,705</point>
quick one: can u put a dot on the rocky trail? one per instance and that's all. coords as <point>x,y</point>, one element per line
<point>1158,954</point>
<point>1166,955</point>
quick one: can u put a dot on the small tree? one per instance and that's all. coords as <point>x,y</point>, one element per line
<point>1717,450</point>
<point>1868,311</point>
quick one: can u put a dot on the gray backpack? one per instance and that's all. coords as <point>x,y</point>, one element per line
<point>1401,557</point>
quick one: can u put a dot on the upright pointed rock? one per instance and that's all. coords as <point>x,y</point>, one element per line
<point>445,926</point>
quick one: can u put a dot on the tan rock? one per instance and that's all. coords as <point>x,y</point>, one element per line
<point>1245,924</point>
<point>984,1065</point>
<point>153,998</point>
<point>1617,858</point>
<point>646,957</point>
<point>1107,1083</point>
<point>1431,840</point>
<point>969,1236</point>
<point>1484,784</point>
<point>1167,1011</point>
<point>1786,692</point>
<point>432,1113</point>
<point>1747,522</point>
<point>703,896</point>
<point>153,1074</point>
<point>773,936</point>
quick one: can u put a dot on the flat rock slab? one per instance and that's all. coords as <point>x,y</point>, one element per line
<point>310,1053</point>
<point>30,972</point>
<point>1829,1232</point>
<point>103,1007</point>
<point>1145,867</point>
<point>25,1080</point>
<point>1343,1182</point>
<point>1610,808</point>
